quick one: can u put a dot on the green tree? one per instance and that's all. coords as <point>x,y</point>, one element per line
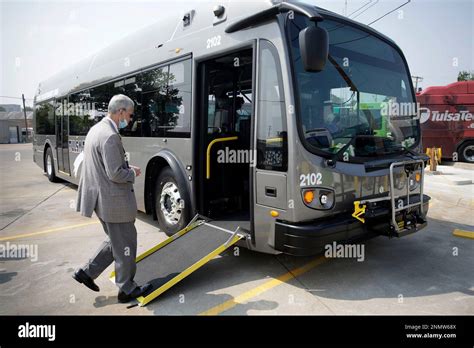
<point>465,76</point>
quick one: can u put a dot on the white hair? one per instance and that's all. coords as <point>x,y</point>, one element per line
<point>119,102</point>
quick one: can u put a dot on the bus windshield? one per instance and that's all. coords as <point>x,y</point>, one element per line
<point>362,104</point>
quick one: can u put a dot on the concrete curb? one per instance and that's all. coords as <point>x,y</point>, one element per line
<point>462,165</point>
<point>453,201</point>
<point>459,181</point>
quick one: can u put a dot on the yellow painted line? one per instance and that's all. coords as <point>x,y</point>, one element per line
<point>242,298</point>
<point>17,236</point>
<point>463,234</point>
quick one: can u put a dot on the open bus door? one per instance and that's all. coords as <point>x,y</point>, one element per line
<point>224,153</point>
<point>224,123</point>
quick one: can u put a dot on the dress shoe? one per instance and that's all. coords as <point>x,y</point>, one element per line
<point>83,278</point>
<point>137,292</point>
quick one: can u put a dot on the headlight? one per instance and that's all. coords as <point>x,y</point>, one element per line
<point>414,180</point>
<point>400,181</point>
<point>368,183</point>
<point>318,198</point>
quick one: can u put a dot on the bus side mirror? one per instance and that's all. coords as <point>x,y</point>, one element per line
<point>314,48</point>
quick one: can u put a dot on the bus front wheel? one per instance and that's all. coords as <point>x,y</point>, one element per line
<point>170,206</point>
<point>49,166</point>
<point>466,152</point>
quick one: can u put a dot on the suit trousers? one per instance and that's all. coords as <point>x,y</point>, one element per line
<point>121,247</point>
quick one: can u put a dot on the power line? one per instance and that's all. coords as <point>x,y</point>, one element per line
<point>365,10</point>
<point>389,12</point>
<point>6,96</point>
<point>360,8</point>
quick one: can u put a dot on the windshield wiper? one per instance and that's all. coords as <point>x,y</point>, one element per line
<point>343,74</point>
<point>336,156</point>
<point>413,154</point>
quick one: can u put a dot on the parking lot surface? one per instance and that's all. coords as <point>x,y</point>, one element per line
<point>429,272</point>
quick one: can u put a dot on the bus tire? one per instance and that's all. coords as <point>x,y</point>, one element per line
<point>49,165</point>
<point>466,152</point>
<point>171,207</point>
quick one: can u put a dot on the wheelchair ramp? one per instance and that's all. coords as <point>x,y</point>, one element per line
<point>175,258</point>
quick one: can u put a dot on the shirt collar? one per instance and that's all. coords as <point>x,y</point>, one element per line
<point>112,122</point>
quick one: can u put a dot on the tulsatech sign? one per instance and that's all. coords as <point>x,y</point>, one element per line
<point>440,116</point>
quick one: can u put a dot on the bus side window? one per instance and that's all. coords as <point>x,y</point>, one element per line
<point>100,97</point>
<point>81,112</point>
<point>133,90</point>
<point>271,125</point>
<point>153,84</point>
<point>178,101</point>
<point>45,118</point>
<point>166,100</point>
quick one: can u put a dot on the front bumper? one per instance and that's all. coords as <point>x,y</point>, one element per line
<point>309,238</point>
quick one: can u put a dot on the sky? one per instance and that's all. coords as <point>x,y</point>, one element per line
<point>40,38</point>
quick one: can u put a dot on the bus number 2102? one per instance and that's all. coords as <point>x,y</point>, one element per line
<point>311,179</point>
<point>214,41</point>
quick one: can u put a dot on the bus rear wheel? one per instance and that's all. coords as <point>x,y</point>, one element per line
<point>49,166</point>
<point>170,206</point>
<point>466,152</point>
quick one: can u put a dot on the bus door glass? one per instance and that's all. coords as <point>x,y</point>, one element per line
<point>271,139</point>
<point>62,135</point>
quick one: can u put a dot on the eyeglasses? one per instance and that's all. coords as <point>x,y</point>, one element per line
<point>131,115</point>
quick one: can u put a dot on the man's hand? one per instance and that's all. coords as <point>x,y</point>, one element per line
<point>137,170</point>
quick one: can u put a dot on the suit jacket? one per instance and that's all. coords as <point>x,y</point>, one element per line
<point>106,182</point>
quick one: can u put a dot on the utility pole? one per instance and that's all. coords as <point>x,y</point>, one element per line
<point>417,78</point>
<point>26,122</point>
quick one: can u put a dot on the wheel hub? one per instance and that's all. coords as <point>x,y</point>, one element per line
<point>171,203</point>
<point>469,153</point>
<point>49,165</point>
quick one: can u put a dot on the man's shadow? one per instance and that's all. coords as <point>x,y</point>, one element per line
<point>103,301</point>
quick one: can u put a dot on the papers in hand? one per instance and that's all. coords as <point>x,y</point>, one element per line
<point>77,163</point>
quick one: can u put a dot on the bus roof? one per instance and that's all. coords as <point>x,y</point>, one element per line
<point>156,43</point>
<point>128,54</point>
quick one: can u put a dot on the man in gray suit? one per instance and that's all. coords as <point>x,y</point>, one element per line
<point>106,187</point>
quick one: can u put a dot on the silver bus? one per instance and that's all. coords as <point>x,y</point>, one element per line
<point>277,117</point>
